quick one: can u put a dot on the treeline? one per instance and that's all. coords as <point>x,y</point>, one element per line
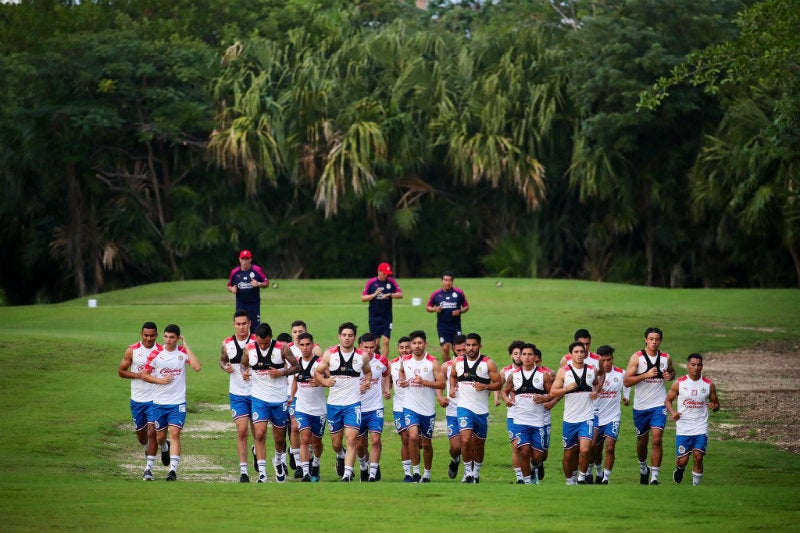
<point>144,140</point>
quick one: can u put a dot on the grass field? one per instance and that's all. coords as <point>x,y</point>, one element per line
<point>70,461</point>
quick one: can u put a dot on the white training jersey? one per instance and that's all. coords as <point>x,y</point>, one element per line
<point>420,399</point>
<point>578,406</point>
<point>399,392</point>
<point>693,406</point>
<point>345,368</point>
<point>235,349</point>
<point>527,385</point>
<point>650,392</point>
<point>266,388</point>
<point>310,397</point>
<point>452,406</point>
<point>163,363</point>
<point>607,402</point>
<point>547,413</point>
<point>504,373</point>
<point>477,371</point>
<point>372,399</point>
<point>141,390</point>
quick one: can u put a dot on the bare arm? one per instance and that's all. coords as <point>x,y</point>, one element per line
<point>713,402</point>
<point>494,375</point>
<point>507,391</point>
<point>194,362</point>
<point>366,377</point>
<point>224,363</point>
<point>558,388</point>
<point>125,365</point>
<point>321,372</point>
<point>671,395</point>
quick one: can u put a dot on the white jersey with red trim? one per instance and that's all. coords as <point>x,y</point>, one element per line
<point>420,399</point>
<point>578,406</point>
<point>452,406</point>
<point>372,399</point>
<point>141,390</point>
<point>163,363</point>
<point>693,405</point>
<point>399,392</point>
<point>504,373</point>
<point>469,398</point>
<point>310,397</point>
<point>528,384</point>
<point>547,414</point>
<point>650,392</point>
<point>266,388</point>
<point>345,368</point>
<point>235,350</point>
<point>607,402</point>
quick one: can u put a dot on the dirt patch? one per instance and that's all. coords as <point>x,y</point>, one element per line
<point>761,385</point>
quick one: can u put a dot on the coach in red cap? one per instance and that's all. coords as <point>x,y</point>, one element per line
<point>246,282</point>
<point>379,292</point>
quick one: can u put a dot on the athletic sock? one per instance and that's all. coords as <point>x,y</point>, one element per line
<point>606,475</point>
<point>415,469</point>
<point>340,454</point>
<point>406,467</point>
<point>373,469</point>
<point>598,468</point>
<point>262,467</point>
<point>304,466</point>
<point>642,467</point>
<point>457,459</point>
<point>173,462</point>
<point>242,468</point>
<point>518,473</point>
<point>296,454</point>
<point>468,469</point>
<point>654,471</point>
<point>151,460</point>
<point>348,471</point>
<point>581,476</point>
<point>426,474</point>
<point>476,469</point>
<point>315,461</point>
<point>697,478</point>
<point>363,463</point>
<point>526,479</point>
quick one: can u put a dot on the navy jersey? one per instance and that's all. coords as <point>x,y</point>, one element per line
<point>245,292</point>
<point>382,305</point>
<point>449,302</point>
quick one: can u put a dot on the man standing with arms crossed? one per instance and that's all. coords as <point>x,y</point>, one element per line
<point>131,367</point>
<point>647,371</point>
<point>696,394</point>
<point>230,361</point>
<point>166,367</point>
<point>347,374</point>
<point>449,303</point>
<point>473,376</point>
<point>379,292</point>
<point>421,373</point>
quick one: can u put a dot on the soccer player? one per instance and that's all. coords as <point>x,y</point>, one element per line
<point>131,367</point>
<point>579,381</point>
<point>473,377</point>
<point>647,371</point>
<point>298,327</point>
<point>345,371</point>
<point>372,410</point>
<point>246,282</point>
<point>514,352</point>
<point>421,373</point>
<point>450,404</point>
<point>169,398</point>
<point>449,303</point>
<point>267,364</point>
<point>310,408</point>
<point>230,361</point>
<point>403,349</point>
<point>527,389</point>
<point>379,292</point>
<point>609,413</point>
<point>696,394</point>
<point>548,406</point>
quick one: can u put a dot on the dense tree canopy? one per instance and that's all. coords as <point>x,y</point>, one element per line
<point>143,141</point>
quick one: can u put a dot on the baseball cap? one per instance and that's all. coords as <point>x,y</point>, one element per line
<point>385,268</point>
<point>245,254</point>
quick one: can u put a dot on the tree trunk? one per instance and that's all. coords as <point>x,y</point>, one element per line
<point>75,207</point>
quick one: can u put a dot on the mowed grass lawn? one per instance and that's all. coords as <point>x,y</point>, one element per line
<point>70,460</point>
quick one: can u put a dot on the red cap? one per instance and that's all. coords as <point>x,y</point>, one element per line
<point>385,268</point>
<point>245,254</point>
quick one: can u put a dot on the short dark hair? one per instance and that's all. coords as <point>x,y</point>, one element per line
<point>305,335</point>
<point>173,328</point>
<point>538,352</point>
<point>648,331</point>
<point>528,346</point>
<point>459,339</point>
<point>582,334</point>
<point>418,333</point>
<point>264,331</point>
<point>605,350</point>
<point>475,337</point>
<point>241,312</point>
<point>367,337</point>
<point>576,343</point>
<point>404,338</point>
<point>149,325</point>
<point>347,325</point>
<point>694,356</point>
<point>299,323</point>
<point>515,344</point>
<point>283,337</point>
<point>448,273</point>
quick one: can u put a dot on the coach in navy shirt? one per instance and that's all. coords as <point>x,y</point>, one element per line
<point>246,282</point>
<point>379,292</point>
<point>449,303</point>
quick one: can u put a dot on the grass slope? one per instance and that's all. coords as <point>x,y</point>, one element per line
<point>70,461</point>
